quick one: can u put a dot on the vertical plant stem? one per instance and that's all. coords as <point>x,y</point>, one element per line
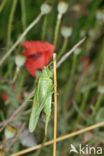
<point>100,80</point>
<point>10,22</point>
<point>20,38</point>
<point>85,97</point>
<point>9,71</point>
<point>101,67</point>
<point>73,68</point>
<point>70,83</point>
<point>44,28</point>
<point>2,5</point>
<point>82,107</point>
<point>98,102</point>
<point>23,11</point>
<point>63,48</point>
<point>68,87</point>
<point>55,106</point>
<point>16,74</point>
<point>57,29</point>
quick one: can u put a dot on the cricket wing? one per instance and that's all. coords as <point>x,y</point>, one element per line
<point>34,117</point>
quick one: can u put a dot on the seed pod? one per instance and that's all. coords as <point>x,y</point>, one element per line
<point>45,8</point>
<point>20,60</point>
<point>62,7</point>
<point>10,132</point>
<point>66,31</point>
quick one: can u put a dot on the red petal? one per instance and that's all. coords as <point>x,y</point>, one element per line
<point>5,97</point>
<point>33,65</point>
<point>38,55</point>
<point>31,69</point>
<point>33,47</point>
<point>48,56</point>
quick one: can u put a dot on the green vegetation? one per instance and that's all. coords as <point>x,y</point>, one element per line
<point>80,78</point>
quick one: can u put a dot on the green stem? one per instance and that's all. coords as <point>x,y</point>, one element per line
<point>70,83</point>
<point>2,5</point>
<point>98,102</point>
<point>101,61</point>
<point>44,28</point>
<point>23,11</point>
<point>83,105</point>
<point>100,79</point>
<point>74,61</point>
<point>9,32</point>
<point>85,97</point>
<point>16,74</point>
<point>9,71</point>
<point>63,47</point>
<point>57,29</point>
<point>2,117</point>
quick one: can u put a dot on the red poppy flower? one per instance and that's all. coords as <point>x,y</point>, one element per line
<point>5,97</point>
<point>38,55</point>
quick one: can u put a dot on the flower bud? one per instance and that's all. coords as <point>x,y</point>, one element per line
<point>66,31</point>
<point>20,60</point>
<point>27,139</point>
<point>100,15</point>
<point>45,8</point>
<point>101,89</point>
<point>10,132</point>
<point>62,7</point>
<point>77,51</point>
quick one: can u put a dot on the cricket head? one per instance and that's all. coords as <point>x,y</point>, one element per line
<point>47,73</point>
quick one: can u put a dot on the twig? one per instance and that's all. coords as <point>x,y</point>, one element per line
<point>55,105</point>
<point>20,38</point>
<point>64,137</point>
<point>66,55</point>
